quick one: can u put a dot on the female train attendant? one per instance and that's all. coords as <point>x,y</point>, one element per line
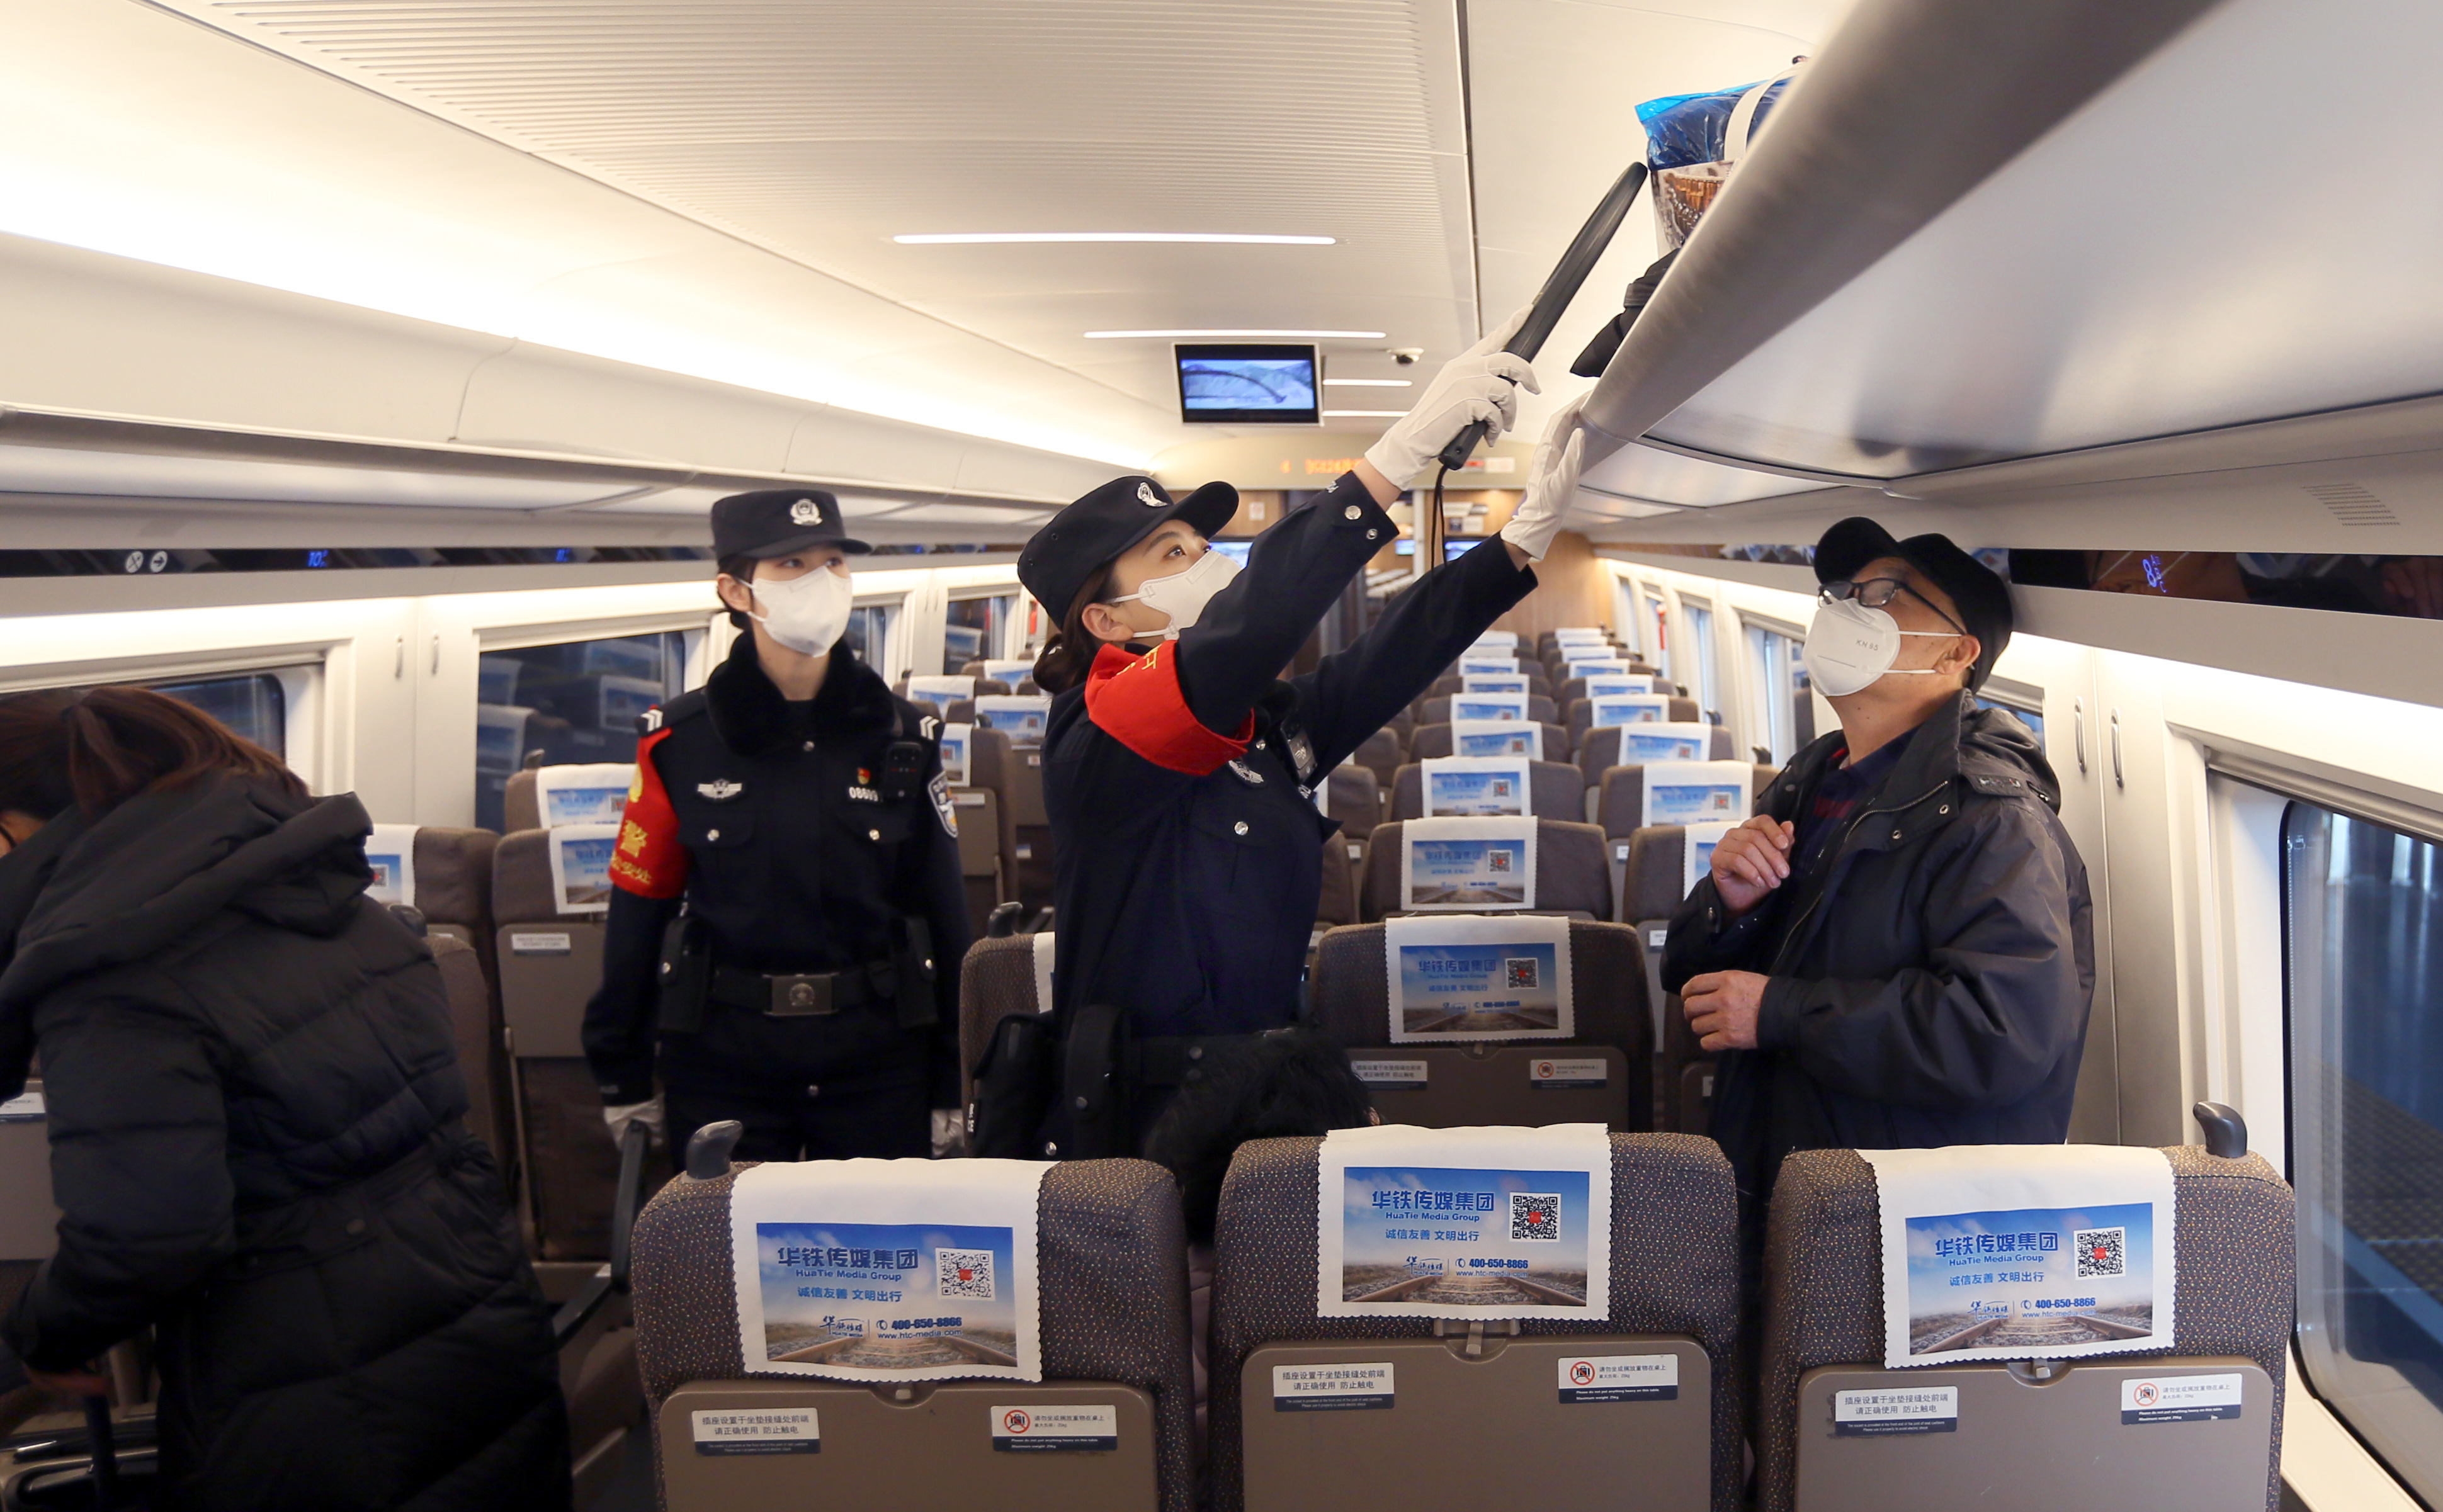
<point>1179,770</point>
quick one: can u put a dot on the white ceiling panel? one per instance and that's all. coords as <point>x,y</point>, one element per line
<point>802,137</point>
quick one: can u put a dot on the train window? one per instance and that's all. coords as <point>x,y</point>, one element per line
<point>2033,718</point>
<point>1659,651</point>
<point>978,627</point>
<point>1703,686</point>
<point>2362,911</point>
<point>252,704</point>
<point>869,633</point>
<point>1786,712</point>
<point>573,703</point>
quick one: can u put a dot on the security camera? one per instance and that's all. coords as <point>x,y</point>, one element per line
<point>1407,356</point>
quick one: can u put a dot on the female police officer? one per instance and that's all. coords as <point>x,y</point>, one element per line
<point>1179,770</point>
<point>796,810</point>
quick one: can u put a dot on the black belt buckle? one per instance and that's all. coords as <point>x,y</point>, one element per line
<point>802,996</point>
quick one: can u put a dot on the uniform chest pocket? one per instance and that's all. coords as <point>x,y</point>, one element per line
<point>719,831</point>
<point>1241,826</point>
<point>881,824</point>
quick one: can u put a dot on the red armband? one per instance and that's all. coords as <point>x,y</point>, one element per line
<point>1137,701</point>
<point>648,860</point>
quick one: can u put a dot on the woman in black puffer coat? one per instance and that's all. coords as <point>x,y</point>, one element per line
<point>256,1142</point>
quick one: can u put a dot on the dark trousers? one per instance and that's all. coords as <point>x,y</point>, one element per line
<point>883,1116</point>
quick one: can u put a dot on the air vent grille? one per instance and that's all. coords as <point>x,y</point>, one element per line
<point>2352,505</point>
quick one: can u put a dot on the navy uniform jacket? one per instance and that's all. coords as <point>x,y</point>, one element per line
<point>1187,848</point>
<point>771,821</point>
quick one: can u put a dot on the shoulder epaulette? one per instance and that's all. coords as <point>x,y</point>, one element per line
<point>917,721</point>
<point>686,706</point>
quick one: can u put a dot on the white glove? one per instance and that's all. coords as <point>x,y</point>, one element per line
<point>1481,383</point>
<point>1551,482</point>
<point>949,1132</point>
<point>648,1113</point>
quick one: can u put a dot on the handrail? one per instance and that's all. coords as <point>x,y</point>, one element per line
<point>1911,105</point>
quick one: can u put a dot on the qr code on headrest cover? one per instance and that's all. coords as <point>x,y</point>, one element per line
<point>1535,1216</point>
<point>966,1273</point>
<point>2099,1250</point>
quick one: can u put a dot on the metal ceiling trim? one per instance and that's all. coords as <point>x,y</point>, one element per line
<point>1813,475</point>
<point>622,479</point>
<point>2405,426</point>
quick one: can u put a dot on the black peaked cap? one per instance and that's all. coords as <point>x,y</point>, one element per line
<point>776,521</point>
<point>1082,539</point>
<point>1978,592</point>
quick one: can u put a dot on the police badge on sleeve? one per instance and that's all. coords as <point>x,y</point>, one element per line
<point>939,790</point>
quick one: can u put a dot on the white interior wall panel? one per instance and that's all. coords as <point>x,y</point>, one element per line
<point>89,333</point>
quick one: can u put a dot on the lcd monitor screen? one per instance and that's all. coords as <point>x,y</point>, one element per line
<point>1239,385</point>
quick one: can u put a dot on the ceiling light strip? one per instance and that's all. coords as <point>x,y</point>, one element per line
<point>1220,238</point>
<point>1308,336</point>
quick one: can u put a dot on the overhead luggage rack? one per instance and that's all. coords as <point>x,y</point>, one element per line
<point>1979,236</point>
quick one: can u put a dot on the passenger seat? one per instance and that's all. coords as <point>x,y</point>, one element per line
<point>1683,1073</point>
<point>1555,789</point>
<point>1489,1082</point>
<point>29,1219</point>
<point>598,1367</point>
<point>1619,807</point>
<point>1115,1334</point>
<point>1435,709</point>
<point>1380,753</point>
<point>1475,1418</point>
<point>1571,874</point>
<point>987,837</point>
<point>1431,742</point>
<point>551,962</point>
<point>2027,1436</point>
<point>453,892</point>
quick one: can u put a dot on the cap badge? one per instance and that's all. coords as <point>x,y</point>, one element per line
<point>1145,496</point>
<point>721,791</point>
<point>806,512</point>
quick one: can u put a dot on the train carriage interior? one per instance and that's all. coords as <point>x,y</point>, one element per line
<point>369,368</point>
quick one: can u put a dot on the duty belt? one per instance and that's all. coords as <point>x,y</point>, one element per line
<point>815,995</point>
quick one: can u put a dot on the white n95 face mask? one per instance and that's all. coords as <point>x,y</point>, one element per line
<point>1849,646</point>
<point>807,613</point>
<point>1184,595</point>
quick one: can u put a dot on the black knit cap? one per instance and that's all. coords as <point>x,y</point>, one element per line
<point>1064,556</point>
<point>1979,594</point>
<point>776,521</point>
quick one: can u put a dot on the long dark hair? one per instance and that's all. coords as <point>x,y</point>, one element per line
<point>95,748</point>
<point>1070,654</point>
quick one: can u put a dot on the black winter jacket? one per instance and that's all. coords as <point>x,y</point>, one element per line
<point>256,1147</point>
<point>1930,978</point>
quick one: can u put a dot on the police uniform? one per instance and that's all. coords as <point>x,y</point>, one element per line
<point>1180,778</point>
<point>787,917</point>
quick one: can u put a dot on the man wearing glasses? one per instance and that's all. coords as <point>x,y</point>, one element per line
<point>1897,951</point>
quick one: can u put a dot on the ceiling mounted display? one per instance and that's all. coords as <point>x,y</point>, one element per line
<point>1248,384</point>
